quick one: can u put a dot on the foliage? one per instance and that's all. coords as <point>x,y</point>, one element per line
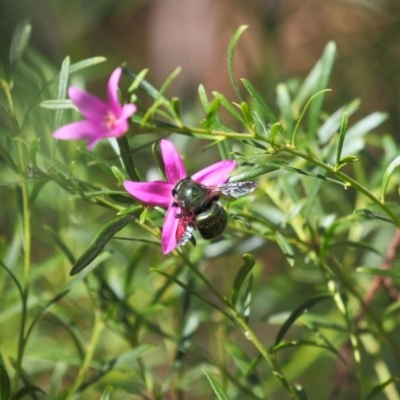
<point>300,285</point>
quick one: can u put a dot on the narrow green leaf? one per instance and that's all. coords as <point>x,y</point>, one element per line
<point>297,313</point>
<point>250,172</point>
<point>13,278</point>
<point>5,68</point>
<point>138,80</point>
<point>217,388</point>
<point>303,112</point>
<point>144,85</point>
<point>366,125</point>
<point>229,106</point>
<point>62,89</point>
<point>101,239</point>
<point>5,385</point>
<point>247,115</point>
<point>332,124</point>
<point>89,62</point>
<point>393,273</point>
<point>379,388</point>
<point>386,176</point>
<point>342,134</point>
<point>327,60</point>
<point>203,98</point>
<point>284,104</point>
<point>212,113</point>
<point>107,393</point>
<point>248,265</point>
<point>263,106</point>
<point>225,149</point>
<point>369,214</point>
<point>285,247</point>
<point>57,104</point>
<point>19,41</point>
<point>60,243</point>
<point>190,290</point>
<point>231,51</point>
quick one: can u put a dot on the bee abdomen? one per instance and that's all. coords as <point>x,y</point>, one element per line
<point>212,221</point>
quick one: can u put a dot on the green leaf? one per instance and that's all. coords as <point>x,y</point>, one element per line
<point>19,41</point>
<point>225,149</point>
<point>263,106</point>
<point>248,265</point>
<point>297,313</point>
<point>229,106</point>
<point>144,85</point>
<point>138,80</point>
<point>231,51</point>
<point>284,103</point>
<point>220,393</point>
<point>333,122</point>
<point>5,68</point>
<point>393,273</point>
<point>57,104</point>
<point>89,62</point>
<point>342,134</point>
<point>190,290</point>
<point>107,393</point>
<point>62,89</point>
<point>303,112</point>
<point>369,214</point>
<point>101,239</point>
<point>5,385</point>
<point>366,125</point>
<point>285,247</point>
<point>379,388</point>
<point>386,176</point>
<point>212,113</point>
<point>327,61</point>
<point>249,172</point>
<point>203,98</point>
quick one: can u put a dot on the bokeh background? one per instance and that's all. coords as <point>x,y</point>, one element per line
<point>284,40</point>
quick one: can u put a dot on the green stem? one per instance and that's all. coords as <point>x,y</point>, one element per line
<point>97,328</point>
<point>270,358</point>
<point>26,222</point>
<point>345,178</point>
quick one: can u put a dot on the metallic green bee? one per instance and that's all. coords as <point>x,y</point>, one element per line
<point>201,209</point>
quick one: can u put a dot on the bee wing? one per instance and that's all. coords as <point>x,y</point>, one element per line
<point>236,189</point>
<point>185,230</point>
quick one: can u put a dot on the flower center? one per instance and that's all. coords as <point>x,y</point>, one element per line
<point>110,121</point>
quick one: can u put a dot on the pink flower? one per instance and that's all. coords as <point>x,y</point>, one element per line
<point>159,193</point>
<point>103,119</point>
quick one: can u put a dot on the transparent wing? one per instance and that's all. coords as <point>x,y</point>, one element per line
<point>236,189</point>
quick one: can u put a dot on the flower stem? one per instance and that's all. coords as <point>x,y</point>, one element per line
<point>26,227</point>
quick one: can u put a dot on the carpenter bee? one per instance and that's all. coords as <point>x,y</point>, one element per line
<point>201,209</point>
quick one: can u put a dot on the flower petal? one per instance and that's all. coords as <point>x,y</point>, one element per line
<point>91,107</point>
<point>215,174</point>
<point>174,168</point>
<point>78,130</point>
<point>168,237</point>
<point>127,111</point>
<point>112,92</point>
<point>151,193</point>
